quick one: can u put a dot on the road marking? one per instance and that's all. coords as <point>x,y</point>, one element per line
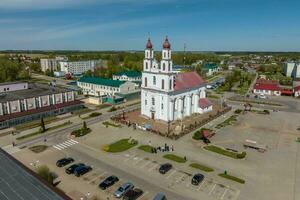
<point>57,148</point>
<point>200,185</point>
<point>149,161</point>
<point>141,159</point>
<point>143,195</point>
<point>127,159</point>
<point>181,178</point>
<point>99,176</point>
<point>74,141</point>
<point>171,174</point>
<point>153,167</point>
<point>65,144</point>
<point>212,189</point>
<point>224,193</point>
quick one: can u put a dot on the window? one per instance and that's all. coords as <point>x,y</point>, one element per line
<point>145,101</point>
<point>170,85</point>
<point>146,65</point>
<point>153,101</point>
<point>145,82</point>
<point>164,66</point>
<point>162,106</point>
<point>163,84</point>
<point>154,80</point>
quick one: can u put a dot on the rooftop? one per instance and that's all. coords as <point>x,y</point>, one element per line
<point>11,83</point>
<point>210,66</point>
<point>34,90</point>
<point>101,81</point>
<point>19,183</point>
<point>129,74</point>
<point>188,80</point>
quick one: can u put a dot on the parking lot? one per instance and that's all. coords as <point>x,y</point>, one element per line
<point>179,179</point>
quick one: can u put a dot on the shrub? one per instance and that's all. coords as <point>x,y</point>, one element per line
<point>241,155</point>
<point>175,158</point>
<point>95,114</point>
<point>233,178</point>
<point>237,111</point>
<point>81,132</point>
<point>45,173</point>
<point>201,167</point>
<point>113,108</point>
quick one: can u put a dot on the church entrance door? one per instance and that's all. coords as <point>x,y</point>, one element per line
<point>152,115</point>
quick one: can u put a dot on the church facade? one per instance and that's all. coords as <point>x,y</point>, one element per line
<point>168,95</point>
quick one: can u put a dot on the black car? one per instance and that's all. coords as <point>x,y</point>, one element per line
<point>82,170</point>
<point>197,179</point>
<point>133,194</point>
<point>164,168</point>
<point>64,161</point>
<point>71,169</point>
<point>109,181</point>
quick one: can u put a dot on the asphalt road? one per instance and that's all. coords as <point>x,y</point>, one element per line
<point>75,126</point>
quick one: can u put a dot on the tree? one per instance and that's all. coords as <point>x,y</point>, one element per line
<point>43,128</point>
<point>84,127</point>
<point>46,174</point>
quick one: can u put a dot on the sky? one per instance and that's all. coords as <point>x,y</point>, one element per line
<point>203,25</point>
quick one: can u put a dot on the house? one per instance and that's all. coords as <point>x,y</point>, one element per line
<point>267,87</point>
<point>210,68</point>
<point>168,95</point>
<point>133,76</point>
<point>107,90</point>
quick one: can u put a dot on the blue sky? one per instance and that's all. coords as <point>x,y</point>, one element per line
<point>204,25</point>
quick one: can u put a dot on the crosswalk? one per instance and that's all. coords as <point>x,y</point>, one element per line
<point>65,144</point>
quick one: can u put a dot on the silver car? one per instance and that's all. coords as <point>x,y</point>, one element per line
<point>123,189</point>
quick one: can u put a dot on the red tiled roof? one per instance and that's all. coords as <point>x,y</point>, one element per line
<point>204,103</point>
<point>187,80</point>
<point>263,84</point>
<point>287,91</point>
<point>43,109</point>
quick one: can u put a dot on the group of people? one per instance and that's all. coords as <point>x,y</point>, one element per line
<point>165,148</point>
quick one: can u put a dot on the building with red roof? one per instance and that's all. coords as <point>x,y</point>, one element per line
<point>167,94</point>
<point>297,91</point>
<point>267,87</point>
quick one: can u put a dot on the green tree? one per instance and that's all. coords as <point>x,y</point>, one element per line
<point>84,127</point>
<point>45,173</point>
<point>43,128</point>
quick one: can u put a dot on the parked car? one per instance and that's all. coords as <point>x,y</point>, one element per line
<point>160,196</point>
<point>133,194</point>
<point>71,169</point>
<point>109,181</point>
<point>64,161</point>
<point>123,189</point>
<point>197,179</point>
<point>164,168</point>
<point>79,171</point>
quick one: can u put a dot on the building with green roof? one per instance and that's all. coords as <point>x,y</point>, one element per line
<point>95,86</point>
<point>210,68</point>
<point>128,76</point>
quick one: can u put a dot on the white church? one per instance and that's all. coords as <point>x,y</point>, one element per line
<point>168,95</point>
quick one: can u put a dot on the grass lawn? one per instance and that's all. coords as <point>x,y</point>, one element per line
<point>232,119</point>
<point>233,178</point>
<point>39,132</point>
<point>108,123</point>
<point>120,146</point>
<point>175,158</point>
<point>201,167</point>
<point>93,114</point>
<point>219,150</point>
<point>146,148</point>
<point>35,123</point>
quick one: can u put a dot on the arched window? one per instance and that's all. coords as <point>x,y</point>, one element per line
<point>170,85</point>
<point>146,65</point>
<point>164,54</point>
<point>163,84</point>
<point>154,80</point>
<point>164,66</point>
<point>169,66</point>
<point>145,82</point>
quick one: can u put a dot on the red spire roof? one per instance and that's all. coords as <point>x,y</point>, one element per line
<point>166,44</point>
<point>149,44</point>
